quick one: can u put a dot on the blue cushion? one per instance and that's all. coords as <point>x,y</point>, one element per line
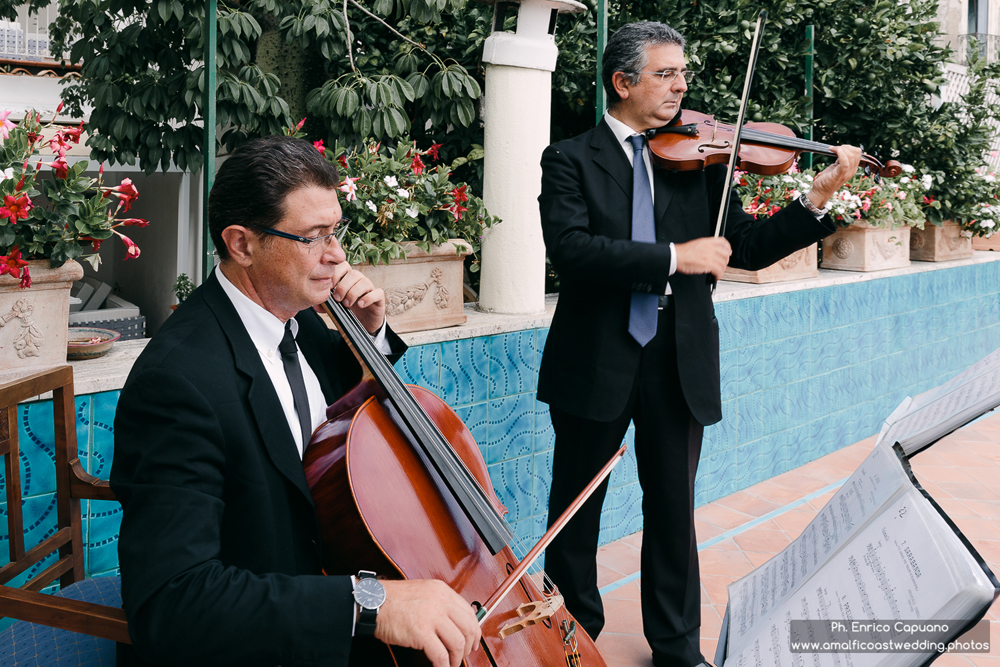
<point>31,645</point>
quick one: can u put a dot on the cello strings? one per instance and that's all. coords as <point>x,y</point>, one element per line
<point>424,430</point>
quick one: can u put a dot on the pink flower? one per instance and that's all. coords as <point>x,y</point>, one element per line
<point>60,166</point>
<point>132,249</point>
<point>13,264</point>
<point>135,222</point>
<point>349,188</point>
<point>319,146</point>
<point>5,125</point>
<point>15,208</point>
<point>417,165</point>
<point>59,145</point>
<point>127,193</point>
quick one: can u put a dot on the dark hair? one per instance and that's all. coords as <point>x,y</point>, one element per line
<point>251,185</point>
<point>626,52</point>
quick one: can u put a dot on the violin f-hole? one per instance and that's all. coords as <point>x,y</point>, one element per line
<point>703,147</point>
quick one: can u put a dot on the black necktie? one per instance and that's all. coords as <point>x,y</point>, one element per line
<point>290,360</point>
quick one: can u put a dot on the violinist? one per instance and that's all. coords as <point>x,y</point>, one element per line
<point>219,545</point>
<point>634,337</point>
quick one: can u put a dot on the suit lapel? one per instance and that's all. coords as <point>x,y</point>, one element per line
<point>610,157</point>
<point>264,403</point>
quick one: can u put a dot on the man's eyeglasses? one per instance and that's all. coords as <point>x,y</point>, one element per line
<point>668,75</point>
<point>315,244</point>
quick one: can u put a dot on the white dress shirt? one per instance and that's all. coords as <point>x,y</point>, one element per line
<point>622,132</point>
<point>266,332</point>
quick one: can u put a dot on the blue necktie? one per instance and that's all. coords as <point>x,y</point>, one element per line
<point>644,306</point>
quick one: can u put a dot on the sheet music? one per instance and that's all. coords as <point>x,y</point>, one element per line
<point>770,586</point>
<point>894,568</point>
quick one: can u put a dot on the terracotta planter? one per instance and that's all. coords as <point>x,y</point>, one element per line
<point>34,322</point>
<point>982,243</point>
<point>939,244</point>
<point>424,291</point>
<point>861,247</point>
<point>800,264</point>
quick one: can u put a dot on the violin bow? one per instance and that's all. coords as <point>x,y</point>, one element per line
<point>734,151</point>
<point>515,576</point>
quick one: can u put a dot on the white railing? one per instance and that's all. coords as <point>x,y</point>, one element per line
<point>27,38</point>
<point>957,85</point>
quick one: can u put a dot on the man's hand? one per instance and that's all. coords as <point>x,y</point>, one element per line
<point>704,255</point>
<point>833,177</point>
<point>429,616</point>
<point>353,289</point>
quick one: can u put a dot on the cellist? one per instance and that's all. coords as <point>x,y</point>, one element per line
<point>634,336</point>
<point>219,549</point>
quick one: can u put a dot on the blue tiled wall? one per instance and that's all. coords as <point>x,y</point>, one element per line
<point>803,374</point>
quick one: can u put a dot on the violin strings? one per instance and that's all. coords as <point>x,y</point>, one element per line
<point>429,435</point>
<point>779,141</point>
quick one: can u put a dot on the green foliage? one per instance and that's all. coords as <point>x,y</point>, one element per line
<point>394,195</point>
<point>365,74</point>
<point>182,287</point>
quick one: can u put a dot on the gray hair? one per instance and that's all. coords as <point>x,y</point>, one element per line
<point>626,52</point>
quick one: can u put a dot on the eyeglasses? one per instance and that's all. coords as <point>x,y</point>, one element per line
<point>314,244</point>
<point>668,75</point>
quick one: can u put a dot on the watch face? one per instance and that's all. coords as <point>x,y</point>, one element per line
<point>369,593</point>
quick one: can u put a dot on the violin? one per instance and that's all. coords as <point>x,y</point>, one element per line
<point>694,140</point>
<point>400,487</point>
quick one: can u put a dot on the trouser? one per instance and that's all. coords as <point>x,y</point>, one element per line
<point>667,448</point>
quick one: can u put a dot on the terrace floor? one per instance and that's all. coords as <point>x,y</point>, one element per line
<point>742,531</point>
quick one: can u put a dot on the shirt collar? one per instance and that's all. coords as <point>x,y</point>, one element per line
<point>621,131</point>
<point>265,329</point>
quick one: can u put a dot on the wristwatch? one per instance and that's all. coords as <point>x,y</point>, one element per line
<point>369,595</point>
<point>811,207</point>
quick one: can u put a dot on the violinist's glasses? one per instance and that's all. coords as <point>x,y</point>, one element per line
<point>668,75</point>
<point>314,244</point>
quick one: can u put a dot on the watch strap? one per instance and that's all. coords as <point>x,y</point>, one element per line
<point>366,621</point>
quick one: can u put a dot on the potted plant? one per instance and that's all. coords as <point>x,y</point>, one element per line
<point>411,228</point>
<point>51,215</point>
<point>762,196</point>
<point>876,216</point>
<point>182,289</point>
<point>980,219</point>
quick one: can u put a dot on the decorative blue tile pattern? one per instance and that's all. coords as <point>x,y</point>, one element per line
<point>803,374</point>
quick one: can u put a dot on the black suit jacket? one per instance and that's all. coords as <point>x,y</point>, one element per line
<point>219,546</point>
<point>590,359</point>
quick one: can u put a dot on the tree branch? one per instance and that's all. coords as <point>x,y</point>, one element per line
<point>399,34</point>
<point>350,51</point>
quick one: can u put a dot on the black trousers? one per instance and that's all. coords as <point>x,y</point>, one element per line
<point>667,448</point>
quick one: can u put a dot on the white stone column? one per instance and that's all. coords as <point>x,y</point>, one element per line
<point>516,110</point>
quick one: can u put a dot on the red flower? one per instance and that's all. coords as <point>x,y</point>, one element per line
<point>417,165</point>
<point>15,208</point>
<point>132,250</point>
<point>59,108</point>
<point>60,166</point>
<point>343,161</point>
<point>95,242</point>
<point>73,133</point>
<point>459,195</point>
<point>13,264</point>
<point>135,222</point>
<point>127,193</point>
<point>433,151</point>
<point>319,146</point>
<point>928,200</point>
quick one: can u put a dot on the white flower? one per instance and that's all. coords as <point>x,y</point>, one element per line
<point>904,179</point>
<point>371,206</point>
<point>908,168</point>
<point>391,181</point>
<point>927,181</point>
<point>787,179</point>
<point>901,194</point>
<point>988,224</point>
<point>8,173</point>
<point>403,193</point>
<point>388,214</point>
<point>349,188</point>
<point>795,194</point>
<point>412,211</point>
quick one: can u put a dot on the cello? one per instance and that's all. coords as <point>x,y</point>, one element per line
<point>401,488</point>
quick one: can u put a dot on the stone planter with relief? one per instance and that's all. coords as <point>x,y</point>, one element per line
<point>939,244</point>
<point>424,291</point>
<point>797,266</point>
<point>861,247</point>
<point>34,321</point>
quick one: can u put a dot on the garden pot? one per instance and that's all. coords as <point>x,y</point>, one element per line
<point>983,243</point>
<point>800,264</point>
<point>34,321</point>
<point>939,244</point>
<point>861,247</point>
<point>423,291</point>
